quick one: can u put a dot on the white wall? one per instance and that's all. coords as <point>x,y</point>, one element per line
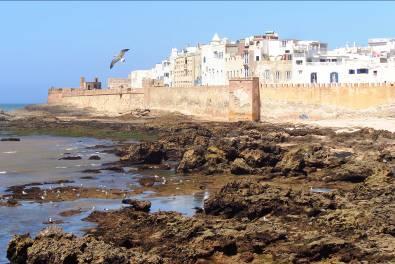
<point>213,64</point>
<point>136,77</point>
<point>385,72</point>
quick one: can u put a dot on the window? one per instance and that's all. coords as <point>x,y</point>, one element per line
<point>300,71</point>
<point>256,58</point>
<point>375,73</point>
<point>299,62</point>
<point>284,43</point>
<point>204,59</point>
<point>313,77</point>
<point>277,75</point>
<point>351,71</point>
<point>362,71</point>
<point>267,74</point>
<point>288,75</point>
<point>334,77</point>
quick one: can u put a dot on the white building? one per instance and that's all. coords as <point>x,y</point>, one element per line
<point>274,60</point>
<point>137,77</point>
<point>381,46</point>
<point>342,69</point>
<point>213,62</point>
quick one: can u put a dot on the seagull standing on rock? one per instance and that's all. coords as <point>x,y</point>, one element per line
<point>119,57</point>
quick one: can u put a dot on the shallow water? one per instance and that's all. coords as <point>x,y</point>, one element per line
<point>11,107</point>
<point>35,159</point>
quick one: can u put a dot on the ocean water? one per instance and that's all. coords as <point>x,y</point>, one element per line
<point>36,159</point>
<point>11,107</point>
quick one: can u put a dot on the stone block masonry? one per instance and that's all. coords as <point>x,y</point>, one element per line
<point>325,101</point>
<point>206,102</point>
<point>242,99</point>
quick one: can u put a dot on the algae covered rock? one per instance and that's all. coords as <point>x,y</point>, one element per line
<point>239,166</point>
<point>151,153</point>
<point>192,159</point>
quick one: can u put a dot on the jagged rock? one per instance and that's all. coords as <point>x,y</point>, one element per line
<point>138,205</point>
<point>292,162</point>
<point>253,200</point>
<point>10,139</point>
<point>192,159</point>
<point>351,172</point>
<point>91,171</point>
<point>17,249</point>
<point>321,249</point>
<point>71,158</point>
<point>9,203</point>
<point>257,158</point>
<point>94,157</point>
<point>114,167</point>
<point>147,181</point>
<point>239,166</point>
<point>151,153</point>
<point>54,246</point>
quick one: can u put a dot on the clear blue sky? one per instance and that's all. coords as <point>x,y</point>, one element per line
<point>47,44</point>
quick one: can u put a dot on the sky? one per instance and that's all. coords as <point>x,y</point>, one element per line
<point>44,44</point>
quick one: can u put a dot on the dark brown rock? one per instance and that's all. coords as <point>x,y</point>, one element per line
<point>138,205</point>
<point>147,181</point>
<point>239,166</point>
<point>151,153</point>
<point>191,160</point>
<point>71,158</point>
<point>94,157</point>
<point>10,139</point>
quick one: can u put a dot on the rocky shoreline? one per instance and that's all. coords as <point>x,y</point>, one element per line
<point>304,195</point>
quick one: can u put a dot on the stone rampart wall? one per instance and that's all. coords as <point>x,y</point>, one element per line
<point>243,99</point>
<point>323,101</point>
<point>208,102</point>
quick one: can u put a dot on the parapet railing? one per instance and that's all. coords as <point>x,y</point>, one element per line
<point>327,85</point>
<point>84,92</point>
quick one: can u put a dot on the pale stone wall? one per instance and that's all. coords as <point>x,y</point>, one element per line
<point>323,101</point>
<point>118,83</point>
<point>111,102</point>
<point>208,102</point>
<point>242,99</point>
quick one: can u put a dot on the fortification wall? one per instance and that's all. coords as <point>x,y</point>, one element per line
<point>210,102</point>
<point>243,99</point>
<point>323,101</point>
<point>109,101</point>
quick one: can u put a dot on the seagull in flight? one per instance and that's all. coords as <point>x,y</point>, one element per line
<point>119,57</point>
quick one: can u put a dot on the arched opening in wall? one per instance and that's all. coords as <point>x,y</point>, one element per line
<point>313,77</point>
<point>334,77</point>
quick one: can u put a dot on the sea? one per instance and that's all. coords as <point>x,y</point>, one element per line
<point>35,159</point>
<point>11,107</point>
